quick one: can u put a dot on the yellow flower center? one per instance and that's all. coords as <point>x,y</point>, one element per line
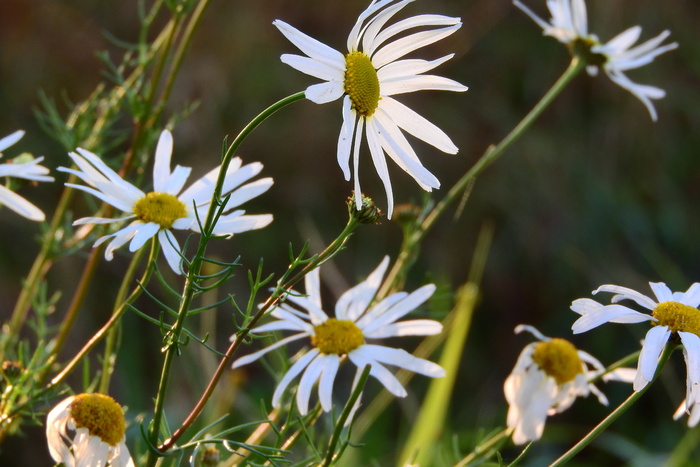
<point>337,336</point>
<point>160,208</point>
<point>361,83</point>
<point>678,317</point>
<point>559,359</point>
<point>101,415</point>
<point>581,47</point>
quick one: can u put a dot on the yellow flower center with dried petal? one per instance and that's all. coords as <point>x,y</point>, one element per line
<point>160,208</point>
<point>361,83</point>
<point>678,317</point>
<point>337,336</point>
<point>101,415</point>
<point>559,359</point>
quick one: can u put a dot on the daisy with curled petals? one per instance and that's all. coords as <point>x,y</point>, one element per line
<point>548,376</point>
<point>30,170</point>
<point>368,77</point>
<point>671,313</point>
<point>345,337</point>
<point>168,207</point>
<point>569,25</point>
<point>88,430</point>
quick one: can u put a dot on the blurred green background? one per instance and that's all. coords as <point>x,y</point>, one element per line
<point>595,193</point>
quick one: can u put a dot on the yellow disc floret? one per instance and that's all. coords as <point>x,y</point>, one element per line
<point>101,415</point>
<point>678,317</point>
<point>361,83</point>
<point>337,336</point>
<point>559,359</point>
<point>160,208</point>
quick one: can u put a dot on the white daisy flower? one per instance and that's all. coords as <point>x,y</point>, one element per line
<point>569,19</point>
<point>569,25</point>
<point>30,170</point>
<point>88,430</point>
<point>671,312</point>
<point>548,376</point>
<point>168,207</point>
<point>345,336</point>
<point>368,77</point>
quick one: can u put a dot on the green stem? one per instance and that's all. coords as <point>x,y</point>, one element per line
<point>347,410</point>
<point>490,156</point>
<point>492,443</point>
<point>195,268</point>
<point>333,248</point>
<point>622,408</point>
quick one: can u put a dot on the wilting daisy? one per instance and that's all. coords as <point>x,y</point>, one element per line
<point>569,26</point>
<point>671,312</point>
<point>367,77</point>
<point>345,336</point>
<point>548,376</point>
<point>167,207</point>
<point>30,170</point>
<point>88,430</point>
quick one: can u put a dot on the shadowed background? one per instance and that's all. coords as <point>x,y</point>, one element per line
<point>594,193</point>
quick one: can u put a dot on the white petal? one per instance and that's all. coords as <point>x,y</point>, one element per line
<point>171,250</point>
<point>11,139</point>
<point>292,373</point>
<point>308,379</point>
<point>323,93</point>
<point>256,355</point>
<point>408,44</point>
<point>354,302</point>
<point>345,138</point>
<point>397,147</point>
<point>325,384</point>
<point>654,343</point>
<point>402,308</point>
<point>20,205</point>
<point>418,126</point>
<point>384,376</point>
<point>161,166</point>
<point>420,83</point>
<point>402,359</point>
<point>310,46</point>
<point>623,293</point>
<point>379,161</point>
<point>143,234</point>
<point>691,353</point>
<point>409,67</point>
<point>313,67</point>
<point>593,316</point>
<point>409,23</point>
<point>238,224</point>
<point>416,327</point>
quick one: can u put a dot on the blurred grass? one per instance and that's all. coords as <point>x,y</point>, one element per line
<point>594,193</point>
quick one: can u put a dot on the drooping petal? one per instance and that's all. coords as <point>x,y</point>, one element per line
<point>292,373</point>
<point>418,126</point>
<point>654,343</point>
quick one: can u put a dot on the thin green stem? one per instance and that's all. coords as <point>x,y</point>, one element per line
<point>345,414</point>
<point>333,248</point>
<point>491,443</point>
<point>622,408</point>
<point>195,268</point>
<point>490,156</point>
